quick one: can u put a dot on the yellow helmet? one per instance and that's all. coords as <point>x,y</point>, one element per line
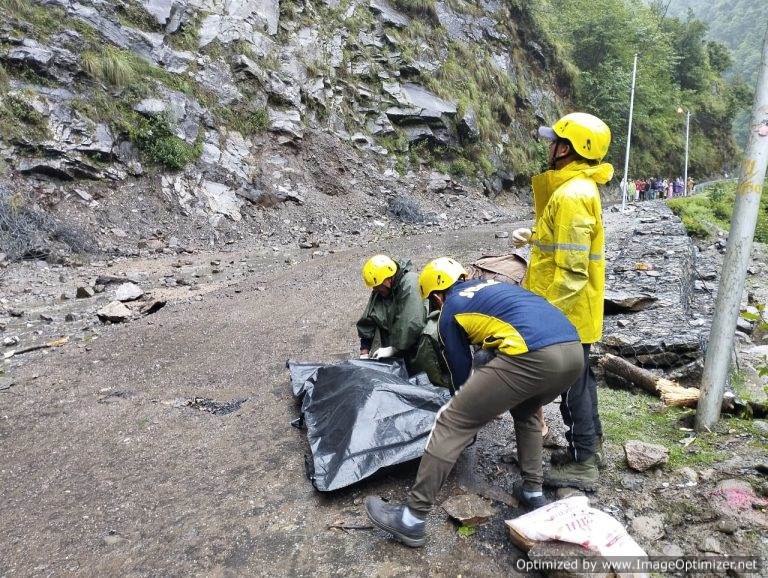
<point>377,269</point>
<point>439,274</point>
<point>589,135</point>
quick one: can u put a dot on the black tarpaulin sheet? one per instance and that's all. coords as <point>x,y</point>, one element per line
<point>362,416</point>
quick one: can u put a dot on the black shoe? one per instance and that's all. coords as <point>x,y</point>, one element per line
<point>389,518</point>
<point>532,503</point>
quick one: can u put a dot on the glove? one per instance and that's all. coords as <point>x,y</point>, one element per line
<point>521,237</point>
<point>364,356</point>
<point>383,352</point>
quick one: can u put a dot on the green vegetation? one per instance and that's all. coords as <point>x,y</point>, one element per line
<point>246,122</point>
<point>702,214</point>
<point>628,417</point>
<point>132,14</point>
<point>677,67</point>
<point>418,8</point>
<point>187,37</point>
<point>121,68</point>
<point>19,121</point>
<point>154,137</point>
<point>739,25</point>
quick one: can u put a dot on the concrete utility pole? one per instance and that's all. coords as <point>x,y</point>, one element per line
<point>624,183</point>
<point>687,130</point>
<point>718,363</point>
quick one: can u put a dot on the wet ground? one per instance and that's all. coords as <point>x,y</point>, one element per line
<point>117,460</point>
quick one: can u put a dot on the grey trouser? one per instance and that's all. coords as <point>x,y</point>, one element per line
<point>520,383</point>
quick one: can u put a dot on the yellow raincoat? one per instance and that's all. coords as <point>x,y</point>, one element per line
<point>567,265</point>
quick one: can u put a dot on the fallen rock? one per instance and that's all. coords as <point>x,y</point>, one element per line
<point>624,302</point>
<point>152,307</point>
<point>642,456</point>
<point>469,509</point>
<point>727,525</point>
<point>69,317</point>
<point>710,544</point>
<point>502,235</point>
<point>15,312</point>
<point>737,499</point>
<point>10,341</point>
<point>84,292</point>
<point>46,318</point>
<point>128,292</point>
<point>648,528</point>
<point>114,312</point>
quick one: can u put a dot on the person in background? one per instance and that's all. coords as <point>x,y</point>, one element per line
<point>689,186</point>
<point>677,187</point>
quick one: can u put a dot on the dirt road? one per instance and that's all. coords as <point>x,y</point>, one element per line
<point>102,473</point>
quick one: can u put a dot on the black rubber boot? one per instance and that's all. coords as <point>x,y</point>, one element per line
<point>389,517</point>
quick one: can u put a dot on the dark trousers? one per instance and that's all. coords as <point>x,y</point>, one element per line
<point>578,406</point>
<point>521,383</point>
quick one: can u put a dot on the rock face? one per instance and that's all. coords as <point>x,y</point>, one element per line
<point>642,456</point>
<point>225,108</point>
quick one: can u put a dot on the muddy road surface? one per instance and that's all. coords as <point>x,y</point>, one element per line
<point>106,470</point>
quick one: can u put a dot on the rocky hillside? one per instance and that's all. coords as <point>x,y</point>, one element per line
<point>127,124</point>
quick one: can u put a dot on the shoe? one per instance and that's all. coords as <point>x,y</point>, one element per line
<point>532,503</point>
<point>581,475</point>
<point>563,456</point>
<point>389,517</point>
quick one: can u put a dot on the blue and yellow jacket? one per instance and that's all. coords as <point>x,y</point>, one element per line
<point>497,316</point>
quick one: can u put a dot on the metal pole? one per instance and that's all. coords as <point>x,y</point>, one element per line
<point>734,270</point>
<point>685,178</point>
<point>629,137</point>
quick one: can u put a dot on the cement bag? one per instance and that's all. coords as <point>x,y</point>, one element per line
<point>361,417</point>
<point>572,520</point>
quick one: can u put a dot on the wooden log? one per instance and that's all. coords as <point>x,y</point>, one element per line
<point>633,374</point>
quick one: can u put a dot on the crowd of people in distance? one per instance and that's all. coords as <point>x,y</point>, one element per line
<point>657,188</point>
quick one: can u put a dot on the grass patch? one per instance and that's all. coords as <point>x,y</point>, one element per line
<point>628,417</point>
<point>19,121</point>
<point>187,37</point>
<point>123,68</point>
<point>154,137</point>
<point>418,8</point>
<point>246,122</point>
<point>702,214</point>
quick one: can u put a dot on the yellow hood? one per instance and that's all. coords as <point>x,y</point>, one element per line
<point>546,183</point>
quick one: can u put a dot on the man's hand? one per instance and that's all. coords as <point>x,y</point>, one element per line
<point>384,352</point>
<point>521,237</point>
<point>365,354</point>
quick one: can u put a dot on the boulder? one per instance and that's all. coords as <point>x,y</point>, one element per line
<point>128,292</point>
<point>648,528</point>
<point>626,302</point>
<point>642,456</point>
<point>84,292</point>
<point>469,509</point>
<point>114,312</point>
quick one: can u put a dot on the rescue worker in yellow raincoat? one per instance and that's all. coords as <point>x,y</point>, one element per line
<point>567,267</point>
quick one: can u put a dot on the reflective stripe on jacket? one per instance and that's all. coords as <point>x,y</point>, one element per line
<point>497,316</point>
<point>567,265</point>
